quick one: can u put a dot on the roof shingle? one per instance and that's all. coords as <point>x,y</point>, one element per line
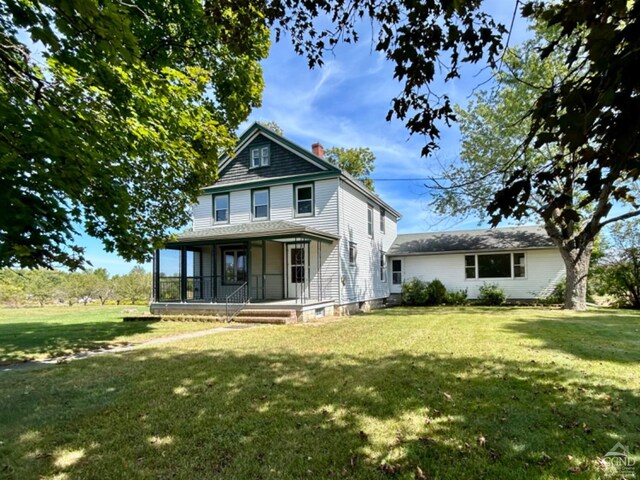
<point>496,239</point>
<point>252,230</point>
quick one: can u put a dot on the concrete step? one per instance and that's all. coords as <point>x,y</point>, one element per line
<point>264,320</point>
<point>267,313</point>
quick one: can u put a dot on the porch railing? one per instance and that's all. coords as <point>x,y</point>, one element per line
<point>214,289</point>
<point>236,301</point>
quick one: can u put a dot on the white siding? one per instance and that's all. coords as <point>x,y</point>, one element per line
<point>240,207</point>
<point>202,212</point>
<point>325,205</point>
<point>362,281</point>
<point>326,284</point>
<point>274,270</point>
<point>281,207</point>
<point>544,269</point>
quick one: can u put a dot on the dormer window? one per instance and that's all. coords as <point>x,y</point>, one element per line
<point>260,157</point>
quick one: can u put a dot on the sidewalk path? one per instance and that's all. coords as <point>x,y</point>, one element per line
<point>120,349</point>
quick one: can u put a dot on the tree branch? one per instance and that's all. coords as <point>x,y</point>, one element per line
<point>625,216</point>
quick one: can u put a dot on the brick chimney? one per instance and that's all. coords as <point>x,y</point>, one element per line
<point>317,150</point>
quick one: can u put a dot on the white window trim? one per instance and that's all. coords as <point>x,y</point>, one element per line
<point>215,197</point>
<point>383,267</point>
<point>355,254</point>
<point>512,277</point>
<point>524,264</point>
<point>383,214</point>
<point>253,205</point>
<point>295,200</point>
<point>396,271</point>
<point>370,220</point>
<point>263,159</point>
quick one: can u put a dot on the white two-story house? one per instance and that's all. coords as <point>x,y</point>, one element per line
<point>281,227</point>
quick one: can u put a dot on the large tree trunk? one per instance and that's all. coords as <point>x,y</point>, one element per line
<point>576,263</point>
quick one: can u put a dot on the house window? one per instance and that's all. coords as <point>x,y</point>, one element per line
<point>370,221</point>
<point>469,266</point>
<point>260,157</point>
<point>383,267</point>
<point>519,270</point>
<point>297,265</point>
<point>495,265</point>
<point>382,215</point>
<point>221,208</point>
<point>304,200</point>
<point>260,204</point>
<point>353,253</point>
<point>396,272</point>
<point>234,263</point>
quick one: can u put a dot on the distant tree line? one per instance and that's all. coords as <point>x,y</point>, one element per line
<point>45,287</point>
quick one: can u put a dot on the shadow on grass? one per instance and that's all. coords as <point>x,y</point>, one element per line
<point>156,414</point>
<point>21,341</point>
<point>605,336</point>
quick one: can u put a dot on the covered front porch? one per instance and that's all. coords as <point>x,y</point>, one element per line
<point>258,263</point>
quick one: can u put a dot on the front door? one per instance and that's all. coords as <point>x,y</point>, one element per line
<point>296,270</point>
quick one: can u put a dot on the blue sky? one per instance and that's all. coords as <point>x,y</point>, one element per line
<point>344,104</point>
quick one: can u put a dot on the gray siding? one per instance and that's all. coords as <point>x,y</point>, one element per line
<point>283,163</point>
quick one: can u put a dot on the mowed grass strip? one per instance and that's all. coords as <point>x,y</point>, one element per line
<point>507,393</point>
<point>37,333</point>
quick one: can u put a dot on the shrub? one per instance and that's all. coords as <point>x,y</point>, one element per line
<point>418,292</point>
<point>456,298</point>
<point>414,292</point>
<point>436,293</point>
<point>491,294</point>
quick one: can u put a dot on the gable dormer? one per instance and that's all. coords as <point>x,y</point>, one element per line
<point>262,154</point>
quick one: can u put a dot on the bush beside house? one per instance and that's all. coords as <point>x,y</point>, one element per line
<point>418,292</point>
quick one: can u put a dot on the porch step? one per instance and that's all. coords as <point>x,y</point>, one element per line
<point>265,312</point>
<point>279,317</point>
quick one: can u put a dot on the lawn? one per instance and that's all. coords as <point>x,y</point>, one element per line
<point>37,333</point>
<point>439,393</point>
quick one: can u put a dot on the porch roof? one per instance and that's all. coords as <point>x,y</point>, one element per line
<point>267,230</point>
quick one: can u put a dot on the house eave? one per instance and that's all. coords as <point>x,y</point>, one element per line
<point>228,187</point>
<point>467,252</point>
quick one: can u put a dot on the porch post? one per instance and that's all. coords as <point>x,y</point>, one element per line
<point>156,275</point>
<point>319,268</point>
<point>249,269</point>
<point>214,273</point>
<point>183,274</point>
<point>264,267</point>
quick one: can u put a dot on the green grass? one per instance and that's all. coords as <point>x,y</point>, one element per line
<point>504,393</point>
<point>37,333</point>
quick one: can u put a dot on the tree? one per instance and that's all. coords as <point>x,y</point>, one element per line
<point>103,288</point>
<point>43,285</point>
<point>273,126</point>
<point>134,286</point>
<point>618,273</point>
<point>79,287</point>
<point>12,287</point>
<point>119,121</point>
<point>589,116</point>
<point>494,126</point>
<point>359,162</point>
